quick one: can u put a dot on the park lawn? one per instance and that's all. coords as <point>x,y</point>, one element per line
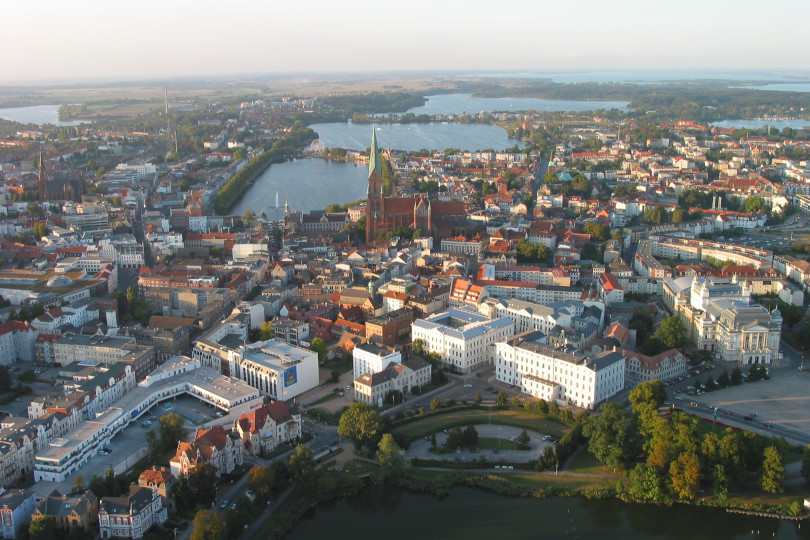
<point>328,397</point>
<point>754,495</point>
<point>323,415</point>
<point>429,425</point>
<point>559,481</point>
<point>586,463</point>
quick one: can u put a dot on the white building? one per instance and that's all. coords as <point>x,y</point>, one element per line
<point>720,317</point>
<point>277,369</point>
<point>373,358</point>
<point>372,388</point>
<point>462,337</point>
<point>553,374</point>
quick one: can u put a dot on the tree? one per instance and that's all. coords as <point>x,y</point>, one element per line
<point>78,484</point>
<point>132,295</point>
<point>541,407</point>
<point>652,392</point>
<point>42,528</point>
<point>723,380</point>
<point>152,446</point>
<point>455,439</point>
<point>301,462</point>
<point>389,456</point>
<point>202,483</point>
<point>516,401</point>
<point>608,438</point>
<point>645,483</point>
<point>171,429</point>
<point>417,347</point>
<point>477,398</point>
<point>524,439</point>
<point>736,376</point>
<point>262,481</point>
<point>773,471</point>
<point>435,404</point>
<point>248,218</point>
<point>469,438</point>
<point>361,424</point>
<point>266,331</point>
<point>671,332</point>
<point>720,482</point>
<point>502,398</point>
<point>209,525</point>
<point>684,475</point>
<point>318,345</point>
<point>33,210</point>
<point>40,230</point>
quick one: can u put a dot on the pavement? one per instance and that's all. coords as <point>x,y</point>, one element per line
<point>781,405</point>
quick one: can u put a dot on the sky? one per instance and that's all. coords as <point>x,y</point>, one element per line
<point>58,41</point>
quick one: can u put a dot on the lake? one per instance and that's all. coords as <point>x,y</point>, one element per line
<point>36,114</point>
<point>386,512</point>
<point>756,124</point>
<point>411,137</point>
<point>445,104</point>
<point>308,184</point>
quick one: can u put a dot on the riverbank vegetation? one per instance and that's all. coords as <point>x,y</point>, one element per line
<point>674,457</point>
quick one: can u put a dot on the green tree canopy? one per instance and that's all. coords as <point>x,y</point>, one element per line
<point>684,475</point>
<point>671,332</point>
<point>202,482</point>
<point>361,424</point>
<point>773,471</point>
<point>209,525</point>
<point>266,331</point>
<point>171,429</point>
<point>40,230</point>
<point>301,462</point>
<point>42,528</point>
<point>609,435</point>
<point>318,345</point>
<point>389,456</point>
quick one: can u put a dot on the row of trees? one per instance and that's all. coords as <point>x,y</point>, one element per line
<point>669,457</point>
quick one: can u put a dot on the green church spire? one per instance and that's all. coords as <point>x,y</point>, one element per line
<point>374,163</point>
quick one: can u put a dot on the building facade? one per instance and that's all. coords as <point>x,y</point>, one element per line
<point>556,374</point>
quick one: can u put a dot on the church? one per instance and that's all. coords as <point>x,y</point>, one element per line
<point>383,214</point>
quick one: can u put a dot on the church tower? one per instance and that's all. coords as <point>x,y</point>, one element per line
<point>375,207</point>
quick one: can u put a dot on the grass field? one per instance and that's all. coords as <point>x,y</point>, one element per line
<point>510,417</point>
<point>585,463</point>
<point>328,397</point>
<point>560,481</point>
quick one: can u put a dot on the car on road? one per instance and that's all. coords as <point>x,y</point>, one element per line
<point>348,387</point>
<point>467,385</point>
<point>224,504</point>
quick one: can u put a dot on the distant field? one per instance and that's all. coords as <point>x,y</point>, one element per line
<point>215,88</point>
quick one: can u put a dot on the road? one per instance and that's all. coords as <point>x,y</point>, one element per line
<point>231,492</point>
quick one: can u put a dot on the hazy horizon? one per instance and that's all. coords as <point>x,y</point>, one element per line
<point>61,43</point>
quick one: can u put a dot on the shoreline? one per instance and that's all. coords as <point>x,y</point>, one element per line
<point>285,518</point>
